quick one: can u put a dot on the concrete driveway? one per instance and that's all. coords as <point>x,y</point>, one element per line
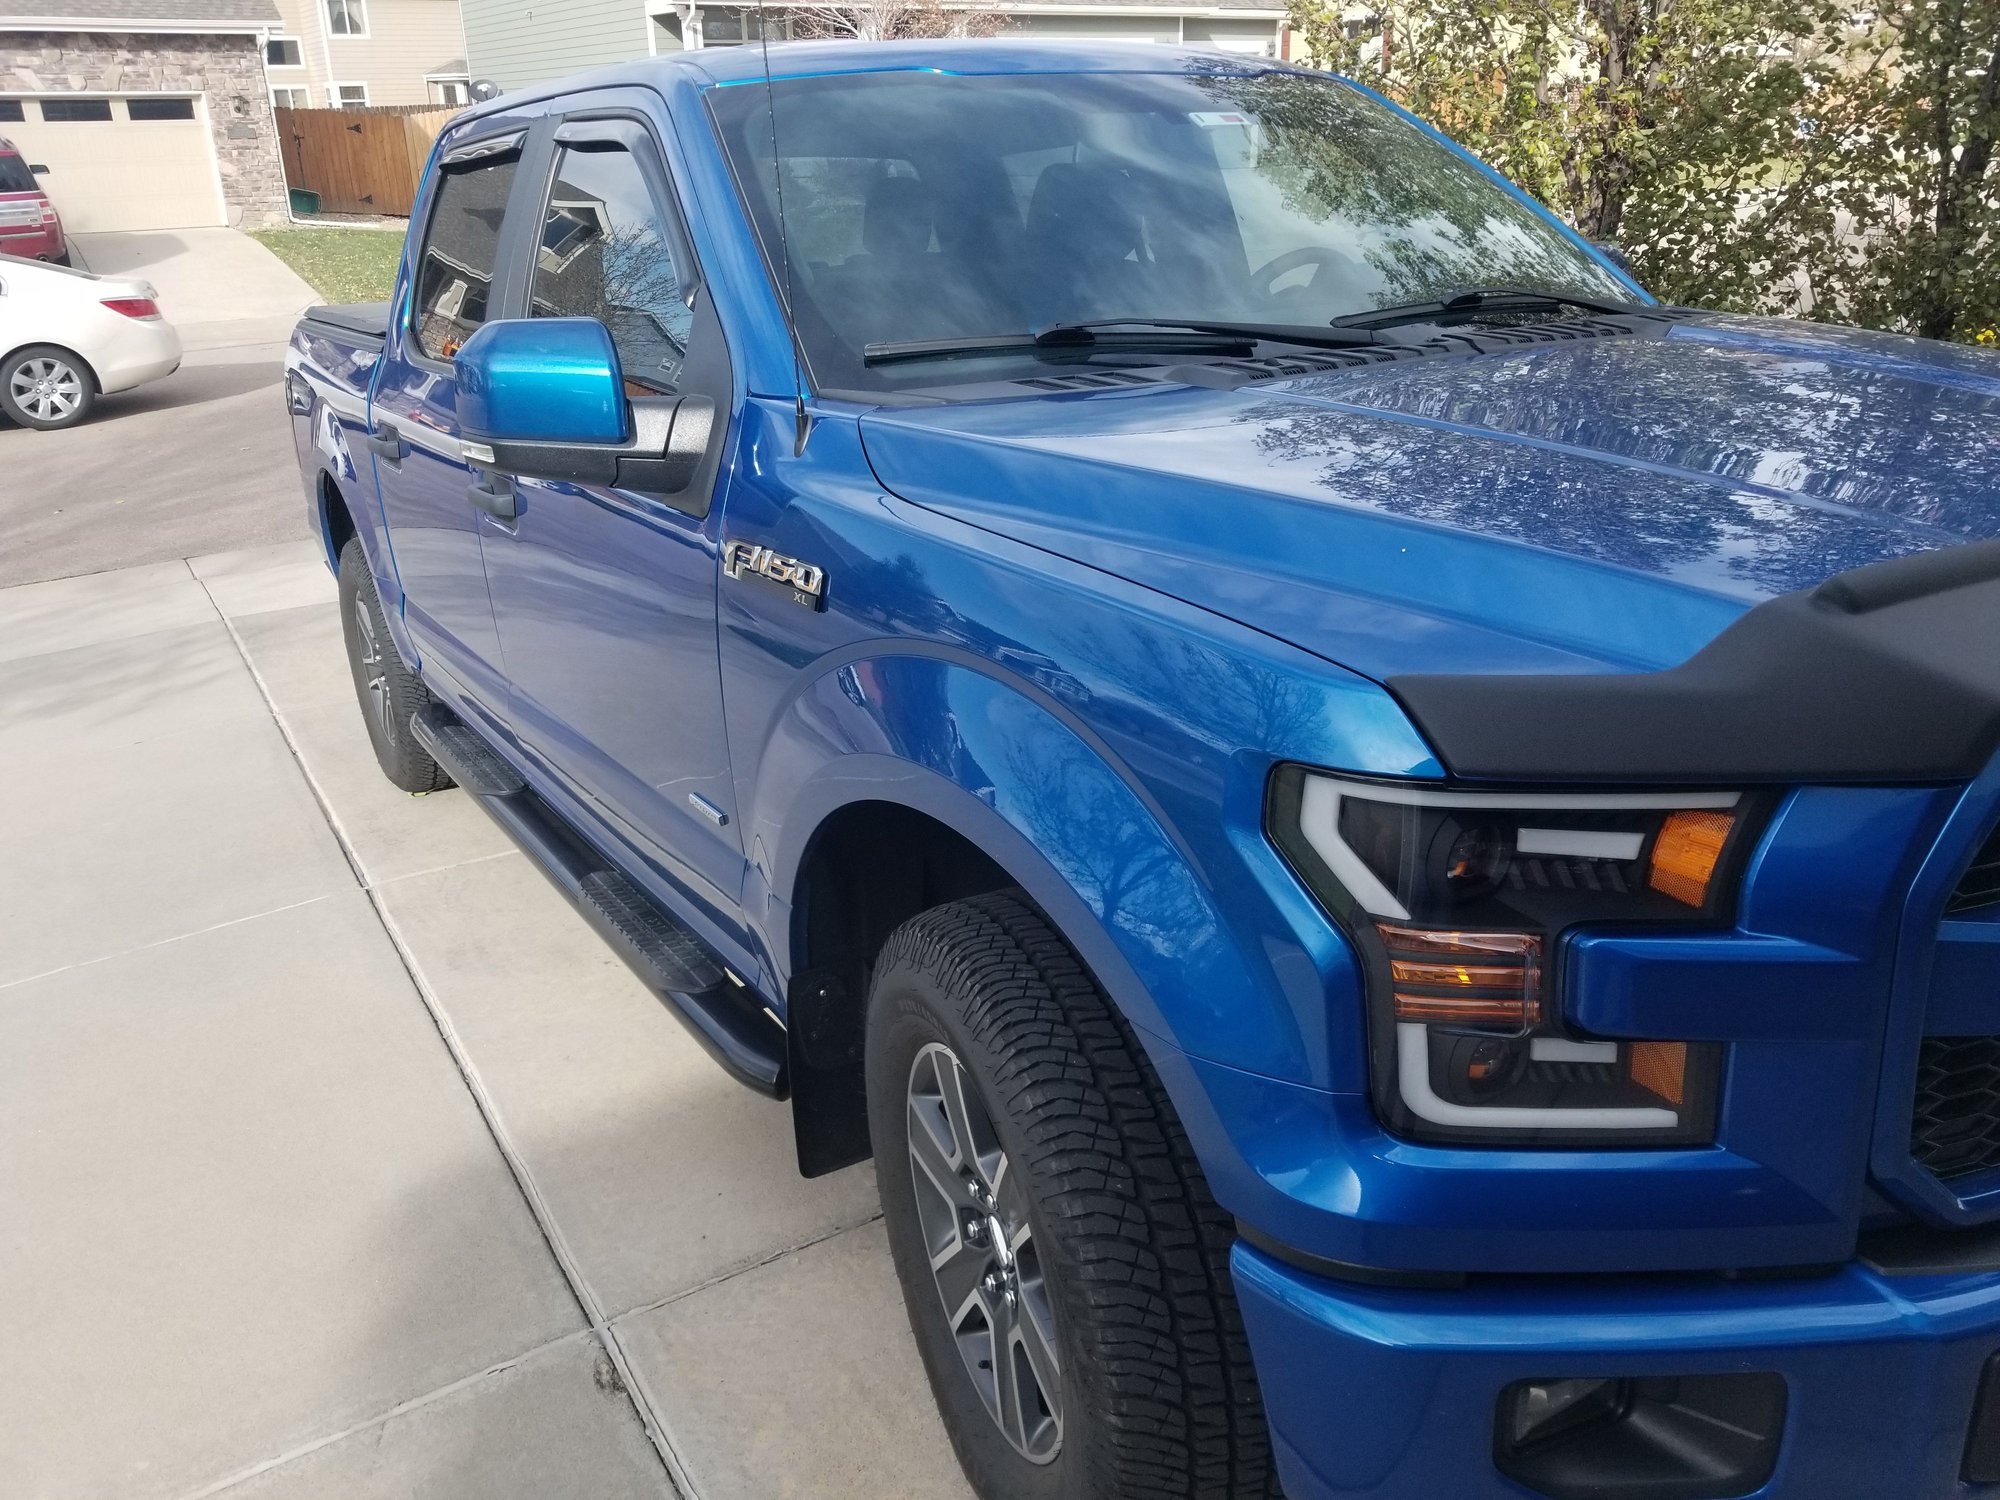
<point>339,1158</point>
<point>199,462</point>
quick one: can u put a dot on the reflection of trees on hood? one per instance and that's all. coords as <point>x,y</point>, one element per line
<point>1688,528</point>
<point>1342,160</point>
<point>1891,446</point>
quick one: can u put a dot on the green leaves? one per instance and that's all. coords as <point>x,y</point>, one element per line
<point>1781,156</point>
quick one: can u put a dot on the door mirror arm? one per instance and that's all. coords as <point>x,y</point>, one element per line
<point>670,437</point>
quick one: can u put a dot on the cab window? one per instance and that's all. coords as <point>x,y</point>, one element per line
<point>461,247</point>
<point>606,252</point>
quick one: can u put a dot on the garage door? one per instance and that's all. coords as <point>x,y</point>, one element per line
<point>138,162</point>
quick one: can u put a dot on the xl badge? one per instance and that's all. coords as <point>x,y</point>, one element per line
<point>807,583</point>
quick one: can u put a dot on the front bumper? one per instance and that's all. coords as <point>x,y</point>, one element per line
<point>1391,1393</point>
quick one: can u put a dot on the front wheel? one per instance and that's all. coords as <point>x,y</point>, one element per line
<point>1065,1269</point>
<point>46,387</point>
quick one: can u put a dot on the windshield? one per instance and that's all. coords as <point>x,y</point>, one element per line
<point>928,207</point>
<point>15,176</point>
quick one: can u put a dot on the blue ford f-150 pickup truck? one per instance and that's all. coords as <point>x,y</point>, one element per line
<point>1390,846</point>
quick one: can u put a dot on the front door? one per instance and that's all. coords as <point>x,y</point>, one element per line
<point>454,274</point>
<point>606,598</point>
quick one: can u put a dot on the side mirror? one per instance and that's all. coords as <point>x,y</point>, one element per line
<point>39,168</point>
<point>546,397</point>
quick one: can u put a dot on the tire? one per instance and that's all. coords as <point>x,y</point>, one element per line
<point>389,692</point>
<point>1119,1255</point>
<point>46,388</point>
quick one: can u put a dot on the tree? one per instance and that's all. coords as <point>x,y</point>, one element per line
<point>1789,156</point>
<point>896,20</point>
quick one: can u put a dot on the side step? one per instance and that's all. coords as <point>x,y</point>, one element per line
<point>728,1020</point>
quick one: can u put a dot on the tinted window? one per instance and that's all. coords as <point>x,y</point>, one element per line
<point>67,110</point>
<point>606,253</point>
<point>160,109</point>
<point>1019,201</point>
<point>15,176</point>
<point>455,270</point>
<point>10,109</point>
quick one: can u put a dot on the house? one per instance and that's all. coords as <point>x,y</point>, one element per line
<point>149,114</point>
<point>348,54</point>
<point>520,42</point>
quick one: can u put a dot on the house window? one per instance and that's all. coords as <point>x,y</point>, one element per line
<point>10,109</point>
<point>299,98</point>
<point>350,95</point>
<point>283,52</point>
<point>159,109</point>
<point>68,111</point>
<point>451,91</point>
<point>347,17</point>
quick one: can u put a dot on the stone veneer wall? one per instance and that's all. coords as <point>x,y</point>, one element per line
<point>228,69</point>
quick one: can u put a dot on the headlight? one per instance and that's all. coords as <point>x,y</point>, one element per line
<point>1458,903</point>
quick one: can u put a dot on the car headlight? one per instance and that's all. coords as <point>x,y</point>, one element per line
<point>1458,902</point>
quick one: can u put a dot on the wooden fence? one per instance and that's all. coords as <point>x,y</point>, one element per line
<point>360,161</point>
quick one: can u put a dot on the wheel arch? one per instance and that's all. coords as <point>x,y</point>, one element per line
<point>971,784</point>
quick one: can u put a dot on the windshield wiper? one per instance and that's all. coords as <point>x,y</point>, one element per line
<point>1306,336</point>
<point>1188,335</point>
<point>1060,339</point>
<point>1483,299</point>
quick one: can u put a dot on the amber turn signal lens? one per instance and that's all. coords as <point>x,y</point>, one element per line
<point>1662,1068</point>
<point>1686,853</point>
<point>1464,978</point>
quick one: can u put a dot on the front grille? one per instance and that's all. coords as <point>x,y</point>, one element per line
<point>1955,1126</point>
<point>1980,885</point>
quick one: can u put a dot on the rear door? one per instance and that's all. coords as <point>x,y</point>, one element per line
<point>460,273</point>
<point>605,597</point>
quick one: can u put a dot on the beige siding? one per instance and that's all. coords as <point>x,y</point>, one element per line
<point>406,40</point>
<point>519,42</point>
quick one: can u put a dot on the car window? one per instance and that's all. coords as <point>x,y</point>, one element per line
<point>606,253</point>
<point>461,246</point>
<point>15,176</point>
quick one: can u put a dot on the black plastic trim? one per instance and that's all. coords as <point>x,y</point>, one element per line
<point>1918,1250</point>
<point>1341,1270</point>
<point>723,1015</point>
<point>1886,673</point>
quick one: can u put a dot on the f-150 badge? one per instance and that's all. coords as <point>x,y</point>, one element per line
<point>746,560</point>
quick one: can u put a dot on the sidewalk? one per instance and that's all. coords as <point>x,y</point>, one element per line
<point>340,1159</point>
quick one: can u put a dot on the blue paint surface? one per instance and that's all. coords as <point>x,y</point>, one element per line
<point>1082,630</point>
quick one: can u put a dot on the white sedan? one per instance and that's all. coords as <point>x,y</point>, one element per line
<point>68,337</point>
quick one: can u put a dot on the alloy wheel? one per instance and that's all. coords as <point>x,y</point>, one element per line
<point>373,664</point>
<point>983,1257</point>
<point>46,389</point>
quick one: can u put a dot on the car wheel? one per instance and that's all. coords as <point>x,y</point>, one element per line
<point>46,387</point>
<point>389,692</point>
<point>1064,1266</point>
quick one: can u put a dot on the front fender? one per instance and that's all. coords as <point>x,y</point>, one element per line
<point>1048,803</point>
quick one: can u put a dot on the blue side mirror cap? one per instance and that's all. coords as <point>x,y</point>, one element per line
<point>541,380</point>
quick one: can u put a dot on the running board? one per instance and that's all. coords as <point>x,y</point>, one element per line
<point>728,1020</point>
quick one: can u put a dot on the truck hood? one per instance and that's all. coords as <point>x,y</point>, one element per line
<point>1607,504</point>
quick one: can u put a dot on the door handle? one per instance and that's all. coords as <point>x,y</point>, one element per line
<point>385,443</point>
<point>494,494</point>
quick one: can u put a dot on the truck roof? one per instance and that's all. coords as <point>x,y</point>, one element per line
<point>723,66</point>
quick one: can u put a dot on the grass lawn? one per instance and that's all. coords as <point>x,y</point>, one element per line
<point>342,265</point>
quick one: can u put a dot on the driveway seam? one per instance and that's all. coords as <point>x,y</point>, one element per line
<point>538,1206</point>
<point>179,937</point>
<point>380,1420</point>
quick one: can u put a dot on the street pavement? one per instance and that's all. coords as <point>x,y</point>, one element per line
<point>198,462</point>
<point>339,1158</point>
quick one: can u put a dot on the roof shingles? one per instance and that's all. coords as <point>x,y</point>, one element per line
<point>180,15</point>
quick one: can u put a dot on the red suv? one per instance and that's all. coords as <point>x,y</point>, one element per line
<point>29,224</point>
